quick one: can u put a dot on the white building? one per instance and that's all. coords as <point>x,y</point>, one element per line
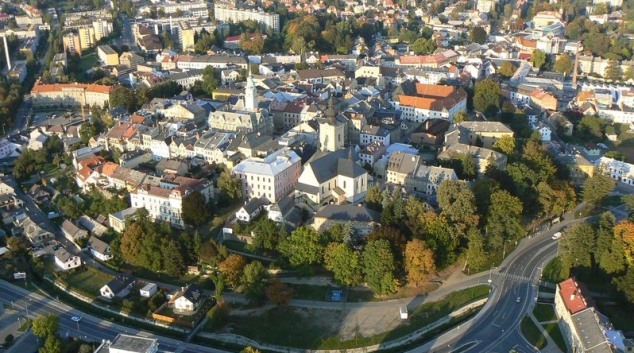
<point>129,344</point>
<point>431,102</point>
<point>65,260</point>
<point>99,249</point>
<point>235,15</point>
<point>373,133</point>
<point>617,170</point>
<point>271,177</point>
<point>165,201</point>
<point>148,290</point>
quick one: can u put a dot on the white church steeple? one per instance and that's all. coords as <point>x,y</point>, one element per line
<point>251,93</point>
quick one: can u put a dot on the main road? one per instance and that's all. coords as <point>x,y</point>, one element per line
<point>90,327</point>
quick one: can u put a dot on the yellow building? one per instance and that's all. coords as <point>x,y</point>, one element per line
<point>483,133</point>
<point>72,44</point>
<point>107,55</point>
<point>72,94</point>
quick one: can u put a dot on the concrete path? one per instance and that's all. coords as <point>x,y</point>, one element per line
<point>551,346</point>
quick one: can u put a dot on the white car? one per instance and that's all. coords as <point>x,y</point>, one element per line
<point>556,236</point>
<point>518,299</point>
<point>76,318</point>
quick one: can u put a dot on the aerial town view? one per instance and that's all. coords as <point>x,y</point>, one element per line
<point>321,176</point>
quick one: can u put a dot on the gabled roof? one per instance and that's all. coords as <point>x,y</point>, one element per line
<point>98,245</point>
<point>118,284</point>
<point>192,293</point>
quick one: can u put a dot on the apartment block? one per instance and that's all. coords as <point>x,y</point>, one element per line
<point>228,14</point>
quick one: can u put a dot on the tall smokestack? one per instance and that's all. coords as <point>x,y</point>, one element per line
<point>156,30</point>
<point>6,52</point>
<point>171,25</point>
<point>574,72</point>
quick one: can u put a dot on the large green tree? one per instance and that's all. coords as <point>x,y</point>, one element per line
<point>538,58</point>
<point>457,203</point>
<point>487,97</point>
<point>478,35</point>
<point>230,187</point>
<point>254,281</point>
<point>45,325</point>
<point>504,221</point>
<point>564,64</point>
<point>507,69</point>
<point>344,262</point>
<point>597,187</point>
<point>378,266</point>
<point>195,209</point>
<point>424,46</point>
<point>303,247</point>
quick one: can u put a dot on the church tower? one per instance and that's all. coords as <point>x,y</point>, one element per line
<point>251,93</point>
<point>332,133</point>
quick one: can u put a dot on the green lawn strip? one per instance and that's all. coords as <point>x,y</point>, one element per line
<point>532,333</point>
<point>310,292</point>
<point>544,312</point>
<point>236,245</point>
<point>88,282</point>
<point>164,278</point>
<point>555,333</point>
<point>83,306</point>
<point>287,327</point>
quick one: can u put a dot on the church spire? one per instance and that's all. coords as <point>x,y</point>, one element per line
<point>331,116</point>
<point>251,92</point>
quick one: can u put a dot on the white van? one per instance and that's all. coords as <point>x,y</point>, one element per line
<point>556,236</point>
<point>404,313</point>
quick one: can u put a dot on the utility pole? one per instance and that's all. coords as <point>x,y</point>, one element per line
<point>576,67</point>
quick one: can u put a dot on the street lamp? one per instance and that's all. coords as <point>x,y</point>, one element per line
<point>504,252</point>
<point>490,281</point>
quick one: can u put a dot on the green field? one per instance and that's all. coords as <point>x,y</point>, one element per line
<point>544,313</point>
<point>297,328</point>
<point>88,282</point>
<point>555,333</point>
<point>532,333</point>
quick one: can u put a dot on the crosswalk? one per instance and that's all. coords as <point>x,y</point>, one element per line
<point>512,277</point>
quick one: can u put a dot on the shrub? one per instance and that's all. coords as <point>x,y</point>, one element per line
<point>217,316</point>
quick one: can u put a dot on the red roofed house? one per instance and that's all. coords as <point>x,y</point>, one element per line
<point>431,102</point>
<point>233,42</point>
<point>544,99</point>
<point>70,94</point>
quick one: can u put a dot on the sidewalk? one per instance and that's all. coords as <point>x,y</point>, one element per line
<point>551,346</point>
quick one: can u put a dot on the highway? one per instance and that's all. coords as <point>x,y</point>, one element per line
<point>90,327</point>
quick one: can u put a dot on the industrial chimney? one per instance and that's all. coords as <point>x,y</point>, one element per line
<point>6,52</point>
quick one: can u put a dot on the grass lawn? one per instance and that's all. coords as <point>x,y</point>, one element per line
<point>309,292</point>
<point>162,277</point>
<point>235,245</point>
<point>555,333</point>
<point>292,328</point>
<point>532,334</point>
<point>88,282</point>
<point>544,312</point>
<point>612,201</point>
<point>552,271</point>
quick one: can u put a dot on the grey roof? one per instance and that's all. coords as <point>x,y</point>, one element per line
<point>348,212</point>
<point>308,189</point>
<point>118,284</point>
<point>284,205</point>
<point>254,204</point>
<point>121,215</point>
<point>326,166</point>
<point>349,169</point>
<point>132,343</point>
<point>62,255</point>
<point>590,332</point>
<point>193,293</point>
<point>98,245</point>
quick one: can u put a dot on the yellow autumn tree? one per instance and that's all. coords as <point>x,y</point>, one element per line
<point>419,261</point>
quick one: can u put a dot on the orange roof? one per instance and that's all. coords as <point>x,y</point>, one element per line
<point>584,96</point>
<point>58,87</point>
<point>434,91</point>
<point>574,295</point>
<point>137,119</point>
<point>91,161</point>
<point>129,132</point>
<point>539,94</point>
<point>109,168</point>
<point>84,173</point>
<point>527,43</point>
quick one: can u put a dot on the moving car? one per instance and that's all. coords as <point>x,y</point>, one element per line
<point>556,236</point>
<point>76,318</point>
<point>518,299</point>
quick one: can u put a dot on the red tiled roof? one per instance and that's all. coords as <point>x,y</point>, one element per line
<point>574,295</point>
<point>58,87</point>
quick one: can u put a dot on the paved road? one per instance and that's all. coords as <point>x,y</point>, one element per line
<point>89,327</point>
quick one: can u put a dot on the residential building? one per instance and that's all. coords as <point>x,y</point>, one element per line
<point>223,12</point>
<point>130,59</point>
<point>482,133</point>
<point>251,209</point>
<point>72,232</point>
<point>107,55</point>
<point>39,194</point>
<point>129,344</point>
<point>544,99</point>
<point>99,249</point>
<point>418,102</point>
<point>188,299</point>
<point>401,166</point>
<point>482,156</point>
<point>620,171</point>
<point>117,220</point>
<point>372,153</point>
<point>546,18</point>
<point>72,44</point>
<point>119,287</point>
<point>271,177</point>
<point>69,94</point>
<point>164,202</point>
<point>333,176</point>
<point>427,179</point>
<point>373,133</point>
<point>362,219</point>
<point>18,72</point>
<point>65,260</point>
<point>148,290</point>
<point>280,211</point>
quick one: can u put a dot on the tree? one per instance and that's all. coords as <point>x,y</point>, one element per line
<point>374,198</point>
<point>629,74</point>
<point>344,262</point>
<point>591,128</point>
<point>507,69</point>
<point>303,247</point>
<point>45,325</point>
<point>457,203</point>
<point>624,233</point>
<point>254,281</point>
<point>210,80</point>
<point>52,344</point>
<point>213,253</point>
<point>250,350</point>
<point>504,221</point>
<point>378,266</point>
<point>619,156</point>
<point>460,117</point>
<point>597,187</point>
<point>123,97</point>
<point>266,235</point>
<point>279,293</point>
<point>230,186</point>
<point>478,35</point>
<point>487,97</point>
<point>625,284</point>
<point>564,64</point>
<point>173,260</point>
<point>613,71</point>
<point>424,46</point>
<point>577,246</point>
<point>506,145</point>
<point>232,268</point>
<point>8,340</point>
<point>341,233</point>
<point>419,261</point>
<point>195,209</point>
<point>476,254</point>
<point>538,58</point>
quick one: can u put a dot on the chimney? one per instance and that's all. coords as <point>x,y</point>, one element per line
<point>6,52</point>
<point>572,297</point>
